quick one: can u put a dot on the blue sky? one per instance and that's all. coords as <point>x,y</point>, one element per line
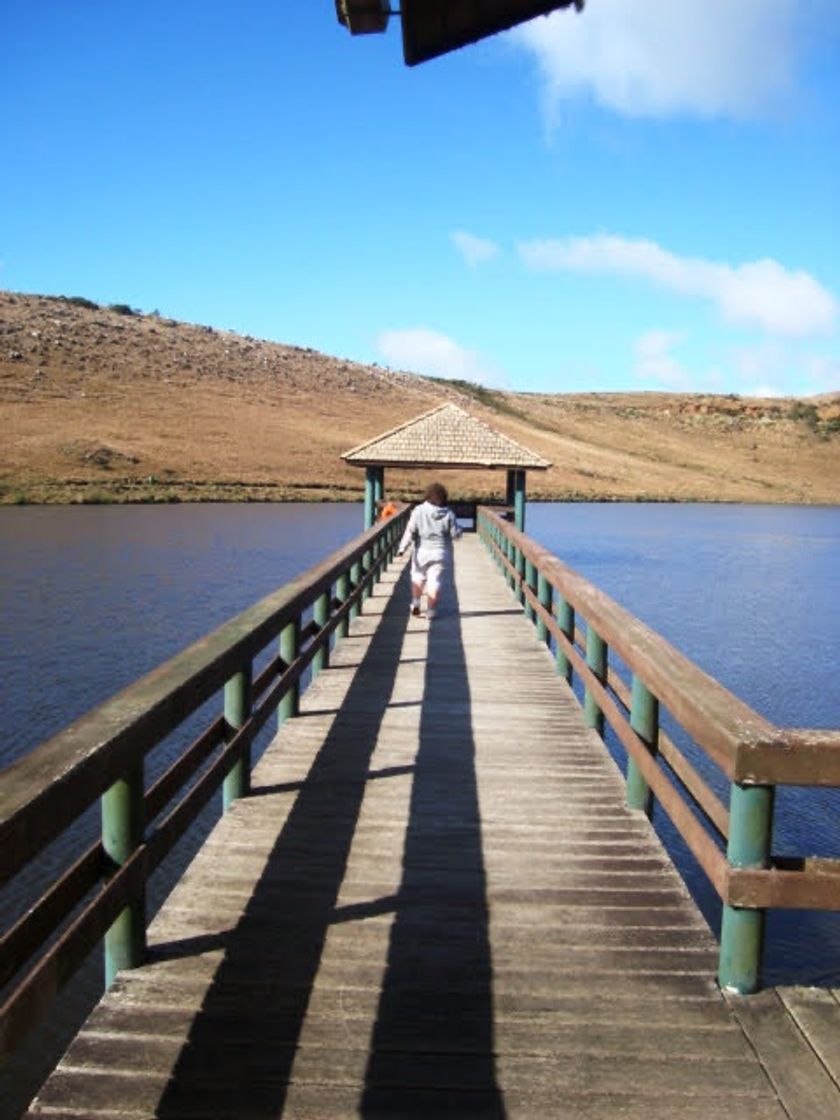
<point>642,196</point>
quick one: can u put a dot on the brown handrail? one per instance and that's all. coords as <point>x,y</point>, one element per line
<point>52,786</point>
<point>747,747</point>
<point>752,752</point>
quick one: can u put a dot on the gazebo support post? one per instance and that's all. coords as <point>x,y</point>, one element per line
<point>378,492</point>
<point>378,487</point>
<point>519,501</point>
<point>371,476</point>
<point>510,493</point>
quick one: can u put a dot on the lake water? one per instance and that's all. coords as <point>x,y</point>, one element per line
<point>93,597</point>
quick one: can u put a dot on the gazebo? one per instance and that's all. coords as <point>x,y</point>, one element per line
<point>446,437</point>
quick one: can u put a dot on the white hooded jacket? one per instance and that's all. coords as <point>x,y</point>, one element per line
<point>432,528</point>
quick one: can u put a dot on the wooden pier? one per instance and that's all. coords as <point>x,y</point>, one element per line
<point>435,902</point>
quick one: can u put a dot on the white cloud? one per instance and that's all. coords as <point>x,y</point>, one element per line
<point>764,364</point>
<point>659,58</point>
<point>429,352</point>
<point>823,372</point>
<point>765,391</point>
<point>654,361</point>
<point>760,294</point>
<point>474,250</point>
<point>770,368</point>
<point>774,369</point>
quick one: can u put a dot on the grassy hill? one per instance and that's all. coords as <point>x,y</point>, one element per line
<point>105,404</point>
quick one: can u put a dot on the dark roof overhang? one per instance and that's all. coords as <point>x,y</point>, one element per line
<point>434,27</point>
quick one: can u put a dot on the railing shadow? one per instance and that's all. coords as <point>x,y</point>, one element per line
<point>432,1046</point>
<point>242,1045</point>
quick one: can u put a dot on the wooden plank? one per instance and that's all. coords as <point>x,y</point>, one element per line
<point>816,1011</point>
<point>435,903</point>
<point>803,1083</point>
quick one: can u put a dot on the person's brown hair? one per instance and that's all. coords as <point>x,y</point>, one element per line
<point>436,494</point>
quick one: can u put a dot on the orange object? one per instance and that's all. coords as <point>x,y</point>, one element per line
<point>388,510</point>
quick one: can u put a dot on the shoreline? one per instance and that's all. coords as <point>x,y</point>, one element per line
<point>79,492</point>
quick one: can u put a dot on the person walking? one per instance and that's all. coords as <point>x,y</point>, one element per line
<point>432,528</point>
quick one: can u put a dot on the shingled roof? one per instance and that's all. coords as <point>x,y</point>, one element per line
<point>447,436</point>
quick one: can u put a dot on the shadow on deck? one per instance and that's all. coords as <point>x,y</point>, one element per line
<point>435,903</point>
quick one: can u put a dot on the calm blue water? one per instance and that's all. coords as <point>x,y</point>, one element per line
<point>93,597</point>
<point>751,593</point>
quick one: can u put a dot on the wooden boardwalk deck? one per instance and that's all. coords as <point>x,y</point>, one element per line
<point>435,904</point>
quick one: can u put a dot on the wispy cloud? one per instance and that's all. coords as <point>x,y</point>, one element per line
<point>426,351</point>
<point>662,58</point>
<point>474,250</point>
<point>655,362</point>
<point>765,391</point>
<point>760,294</point>
<point>823,372</point>
<point>776,369</point>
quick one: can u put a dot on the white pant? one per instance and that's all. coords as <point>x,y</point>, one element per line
<point>426,570</point>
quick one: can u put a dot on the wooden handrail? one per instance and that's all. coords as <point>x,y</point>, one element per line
<point>52,786</point>
<point>754,753</point>
<point>747,747</point>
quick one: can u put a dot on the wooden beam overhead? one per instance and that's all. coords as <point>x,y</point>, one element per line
<point>431,28</point>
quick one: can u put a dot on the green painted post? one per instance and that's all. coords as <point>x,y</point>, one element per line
<point>531,580</point>
<point>509,554</point>
<point>387,539</point>
<point>289,706</point>
<point>378,488</point>
<point>519,501</point>
<point>342,591</point>
<point>122,833</point>
<point>544,593</point>
<point>375,555</point>
<point>510,491</point>
<point>520,571</point>
<point>237,783</point>
<point>566,622</point>
<point>370,496</point>
<point>367,561</point>
<point>355,576</point>
<point>320,613</point>
<point>644,719</point>
<point>742,930</point>
<point>596,659</point>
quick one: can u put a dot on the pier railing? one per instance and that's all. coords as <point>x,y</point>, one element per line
<point>731,841</point>
<point>101,896</point>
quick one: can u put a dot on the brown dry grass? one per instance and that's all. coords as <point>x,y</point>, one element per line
<point>101,406</point>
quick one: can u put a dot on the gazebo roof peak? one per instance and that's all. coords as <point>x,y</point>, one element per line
<point>445,436</point>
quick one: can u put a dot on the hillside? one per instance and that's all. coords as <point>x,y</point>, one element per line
<point>105,404</point>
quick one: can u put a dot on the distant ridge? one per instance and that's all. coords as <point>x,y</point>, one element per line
<point>107,404</point>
